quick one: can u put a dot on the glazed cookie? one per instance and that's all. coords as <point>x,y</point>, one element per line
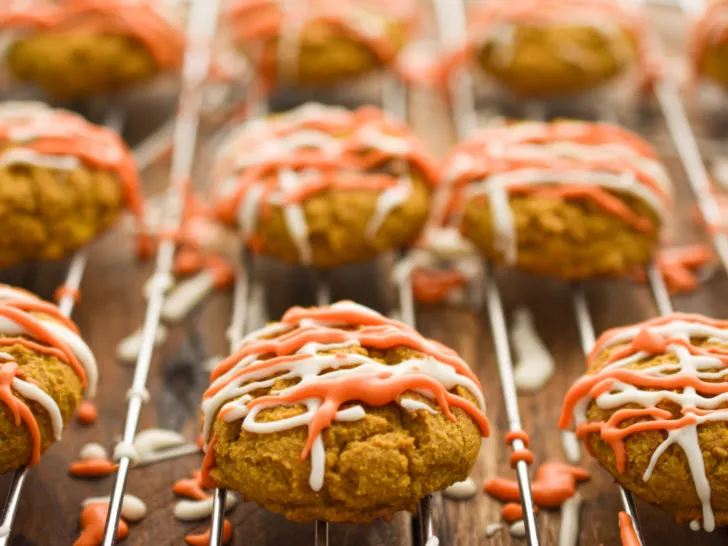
<point>45,370</point>
<point>709,44</point>
<point>547,48</point>
<point>62,182</point>
<point>320,42</point>
<point>324,186</point>
<point>651,409</point>
<point>570,199</point>
<point>80,48</point>
<point>340,414</point>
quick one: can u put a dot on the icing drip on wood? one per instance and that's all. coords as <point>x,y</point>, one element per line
<point>32,133</point>
<point>301,347</point>
<point>568,160</point>
<point>693,379</point>
<point>285,160</point>
<point>534,363</point>
<point>256,24</point>
<point>679,266</point>
<point>494,23</point>
<point>22,323</point>
<point>141,20</point>
<point>627,533</point>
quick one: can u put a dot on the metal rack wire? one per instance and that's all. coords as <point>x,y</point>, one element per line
<point>115,120</point>
<point>201,29</point>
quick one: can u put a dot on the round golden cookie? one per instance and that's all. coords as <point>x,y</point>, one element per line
<point>324,186</point>
<point>77,66</point>
<point>388,446</point>
<point>36,385</point>
<point>568,199</point>
<point>708,43</point>
<point>63,181</point>
<point>660,447</point>
<point>536,65</point>
<point>76,49</point>
<point>319,43</point>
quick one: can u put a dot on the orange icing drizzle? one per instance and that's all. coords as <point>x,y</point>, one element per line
<point>554,484</point>
<point>208,462</point>
<point>260,23</point>
<point>93,520</point>
<point>521,455</point>
<point>487,152</point>
<point>204,538</point>
<point>351,168</point>
<point>64,291</point>
<point>678,266</point>
<point>710,30</point>
<point>21,412</point>
<point>316,325</point>
<point>432,286</point>
<point>137,19</point>
<point>93,468</point>
<point>485,18</point>
<point>56,132</point>
<point>513,511</point>
<point>614,430</point>
<point>626,531</point>
<point>191,487</point>
<point>87,413</point>
<point>517,435</point>
<point>19,311</point>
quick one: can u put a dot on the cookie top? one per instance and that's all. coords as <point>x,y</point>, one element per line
<point>670,371</point>
<point>336,361</point>
<point>569,160</point>
<point>494,23</point>
<point>710,30</point>
<point>32,133</point>
<point>154,23</point>
<point>254,22</point>
<point>284,160</point>
<point>38,326</point>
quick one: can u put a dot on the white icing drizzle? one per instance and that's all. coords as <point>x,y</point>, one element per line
<point>463,490</point>
<point>128,348</point>
<point>433,541</point>
<point>272,150</point>
<point>186,295</point>
<point>195,510</point>
<point>152,440</point>
<point>229,392</point>
<point>569,530</point>
<point>133,508</point>
<point>571,446</point>
<point>492,528</point>
<point>413,406</point>
<point>676,330</point>
<point>518,529</point>
<point>558,158</point>
<point>93,450</point>
<point>534,363</point>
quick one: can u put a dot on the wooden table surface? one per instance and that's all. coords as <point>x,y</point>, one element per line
<point>112,307</point>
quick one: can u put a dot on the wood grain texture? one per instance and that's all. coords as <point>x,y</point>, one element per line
<point>112,307</point>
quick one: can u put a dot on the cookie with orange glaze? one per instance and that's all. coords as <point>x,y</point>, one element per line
<point>340,414</point>
<point>80,48</point>
<point>652,410</point>
<point>569,199</point>
<point>708,44</point>
<point>63,181</point>
<point>45,371</point>
<point>320,42</point>
<point>324,186</point>
<point>547,48</point>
